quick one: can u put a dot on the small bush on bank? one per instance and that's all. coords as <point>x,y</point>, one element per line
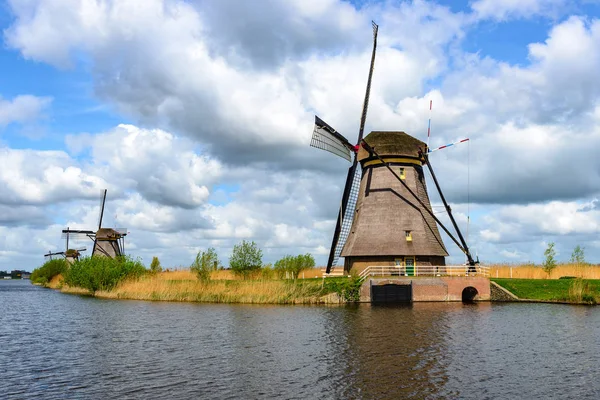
<point>102,273</point>
<point>155,266</point>
<point>205,262</point>
<point>290,266</point>
<point>48,270</point>
<point>347,288</point>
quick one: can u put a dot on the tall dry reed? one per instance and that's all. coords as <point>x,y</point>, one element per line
<point>531,271</point>
<point>166,287</point>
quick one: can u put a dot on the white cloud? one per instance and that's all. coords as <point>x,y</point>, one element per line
<point>502,10</point>
<point>22,109</point>
<point>512,254</point>
<point>223,115</point>
<point>158,165</point>
<point>247,114</point>
<point>43,177</point>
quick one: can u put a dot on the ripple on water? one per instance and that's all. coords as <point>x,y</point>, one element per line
<point>57,346</point>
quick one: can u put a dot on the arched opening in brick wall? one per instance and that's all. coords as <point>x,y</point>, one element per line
<point>468,294</point>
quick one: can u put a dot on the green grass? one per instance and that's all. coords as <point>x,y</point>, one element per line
<point>48,270</point>
<point>102,273</point>
<point>570,290</point>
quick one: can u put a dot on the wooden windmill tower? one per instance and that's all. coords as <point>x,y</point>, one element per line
<point>385,216</point>
<point>108,242</point>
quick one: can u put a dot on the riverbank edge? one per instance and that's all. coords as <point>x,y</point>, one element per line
<point>189,295</point>
<point>512,298</point>
<point>328,299</point>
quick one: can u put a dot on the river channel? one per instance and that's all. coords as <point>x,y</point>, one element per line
<point>58,346</point>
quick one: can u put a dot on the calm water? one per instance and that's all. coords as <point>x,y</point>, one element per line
<point>57,346</point>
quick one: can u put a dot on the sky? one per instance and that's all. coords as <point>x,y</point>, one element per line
<point>197,117</point>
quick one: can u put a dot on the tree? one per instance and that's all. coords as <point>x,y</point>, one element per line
<point>283,265</point>
<point>578,255</point>
<point>205,262</point>
<point>155,267</point>
<point>294,265</point>
<point>305,261</point>
<point>550,261</point>
<point>245,258</point>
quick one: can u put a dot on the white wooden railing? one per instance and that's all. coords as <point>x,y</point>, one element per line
<point>335,272</point>
<point>425,270</point>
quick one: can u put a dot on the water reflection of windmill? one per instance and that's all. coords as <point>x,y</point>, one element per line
<point>108,242</point>
<point>385,215</point>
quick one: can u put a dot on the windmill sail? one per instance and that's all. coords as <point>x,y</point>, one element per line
<point>345,215</point>
<point>328,139</point>
<point>350,196</point>
<point>363,117</point>
<point>102,203</point>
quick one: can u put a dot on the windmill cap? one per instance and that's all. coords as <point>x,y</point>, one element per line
<point>391,143</point>
<point>107,233</point>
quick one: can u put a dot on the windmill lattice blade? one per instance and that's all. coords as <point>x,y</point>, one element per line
<point>78,234</point>
<point>326,138</point>
<point>348,215</point>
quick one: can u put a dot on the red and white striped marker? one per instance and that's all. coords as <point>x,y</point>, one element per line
<point>448,145</point>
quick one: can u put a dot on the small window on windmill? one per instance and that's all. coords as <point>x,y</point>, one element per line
<point>402,174</point>
<point>408,235</point>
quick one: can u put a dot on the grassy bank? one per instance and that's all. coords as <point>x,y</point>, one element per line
<point>580,291</point>
<point>224,288</point>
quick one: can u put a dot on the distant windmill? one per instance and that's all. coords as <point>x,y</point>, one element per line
<point>71,255</point>
<point>385,216</point>
<point>108,242</point>
<point>52,255</point>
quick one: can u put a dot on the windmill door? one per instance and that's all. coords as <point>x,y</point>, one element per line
<point>409,262</point>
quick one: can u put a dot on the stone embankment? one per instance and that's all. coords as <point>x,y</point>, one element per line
<point>498,293</point>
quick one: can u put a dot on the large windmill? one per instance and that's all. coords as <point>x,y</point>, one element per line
<point>385,216</point>
<point>108,242</point>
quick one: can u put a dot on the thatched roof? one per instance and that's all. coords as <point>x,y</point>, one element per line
<point>105,233</point>
<point>385,209</point>
<point>395,143</point>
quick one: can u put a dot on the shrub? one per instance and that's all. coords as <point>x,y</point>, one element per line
<point>292,266</point>
<point>205,262</point>
<point>245,258</point>
<point>102,273</point>
<point>155,266</point>
<point>347,288</point>
<point>48,270</point>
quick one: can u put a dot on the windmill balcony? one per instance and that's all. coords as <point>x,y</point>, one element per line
<point>424,270</point>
